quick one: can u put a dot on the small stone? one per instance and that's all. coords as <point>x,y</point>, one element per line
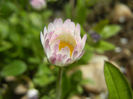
<point>102,95</point>
<point>123,70</point>
<point>10,78</point>
<point>124,41</point>
<point>121,13</point>
<point>94,72</point>
<point>75,97</point>
<point>79,97</point>
<point>24,97</point>
<point>118,49</point>
<point>20,89</point>
<point>32,94</point>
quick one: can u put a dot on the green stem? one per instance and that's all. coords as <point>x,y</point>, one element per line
<point>59,83</point>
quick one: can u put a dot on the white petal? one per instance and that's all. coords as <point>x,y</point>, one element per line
<point>80,55</point>
<point>45,31</point>
<point>66,24</point>
<point>84,40</point>
<point>58,23</point>
<point>65,51</point>
<point>42,38</point>
<point>50,27</point>
<point>72,27</point>
<point>55,21</point>
<point>77,30</point>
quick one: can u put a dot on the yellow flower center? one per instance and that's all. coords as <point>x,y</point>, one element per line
<point>64,44</point>
<point>67,40</point>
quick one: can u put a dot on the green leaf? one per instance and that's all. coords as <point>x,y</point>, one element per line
<point>1,97</point>
<point>81,12</point>
<point>6,9</point>
<point>100,25</point>
<point>44,76</point>
<point>67,10</point>
<point>5,46</point>
<point>91,3</point>
<point>4,30</point>
<point>103,46</point>
<point>109,31</point>
<point>117,84</point>
<point>15,68</point>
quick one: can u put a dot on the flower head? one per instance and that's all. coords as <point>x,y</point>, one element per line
<point>38,4</point>
<point>62,42</point>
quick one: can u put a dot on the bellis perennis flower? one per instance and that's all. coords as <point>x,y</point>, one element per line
<point>62,42</point>
<point>38,4</point>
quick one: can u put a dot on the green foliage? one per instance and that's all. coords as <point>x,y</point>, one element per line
<point>44,76</point>
<point>109,31</point>
<point>21,52</point>
<point>15,68</point>
<point>91,3</point>
<point>100,25</point>
<point>67,10</point>
<point>72,84</point>
<point>103,46</point>
<point>81,12</point>
<point>117,84</point>
<point>105,30</point>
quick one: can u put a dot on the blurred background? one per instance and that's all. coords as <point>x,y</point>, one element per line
<point>24,70</point>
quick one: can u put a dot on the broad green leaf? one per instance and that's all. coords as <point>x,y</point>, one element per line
<point>14,20</point>
<point>91,3</point>
<point>6,9</point>
<point>67,10</point>
<point>81,12</point>
<point>116,82</point>
<point>35,19</point>
<point>100,25</point>
<point>4,30</point>
<point>109,31</point>
<point>15,68</point>
<point>44,76</point>
<point>103,46</point>
<point>1,97</point>
<point>5,46</point>
<point>46,14</point>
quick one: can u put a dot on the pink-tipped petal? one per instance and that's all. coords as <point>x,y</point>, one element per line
<point>47,47</point>
<point>75,53</point>
<point>67,21</point>
<point>77,33</point>
<point>69,61</point>
<point>49,36</point>
<point>64,57</point>
<point>84,40</point>
<point>80,55</point>
<point>58,23</point>
<point>77,30</point>
<point>55,21</point>
<point>52,59</point>
<point>66,25</point>
<point>72,26</point>
<point>59,58</point>
<point>53,38</point>
<point>65,51</point>
<point>56,46</point>
<point>50,27</point>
